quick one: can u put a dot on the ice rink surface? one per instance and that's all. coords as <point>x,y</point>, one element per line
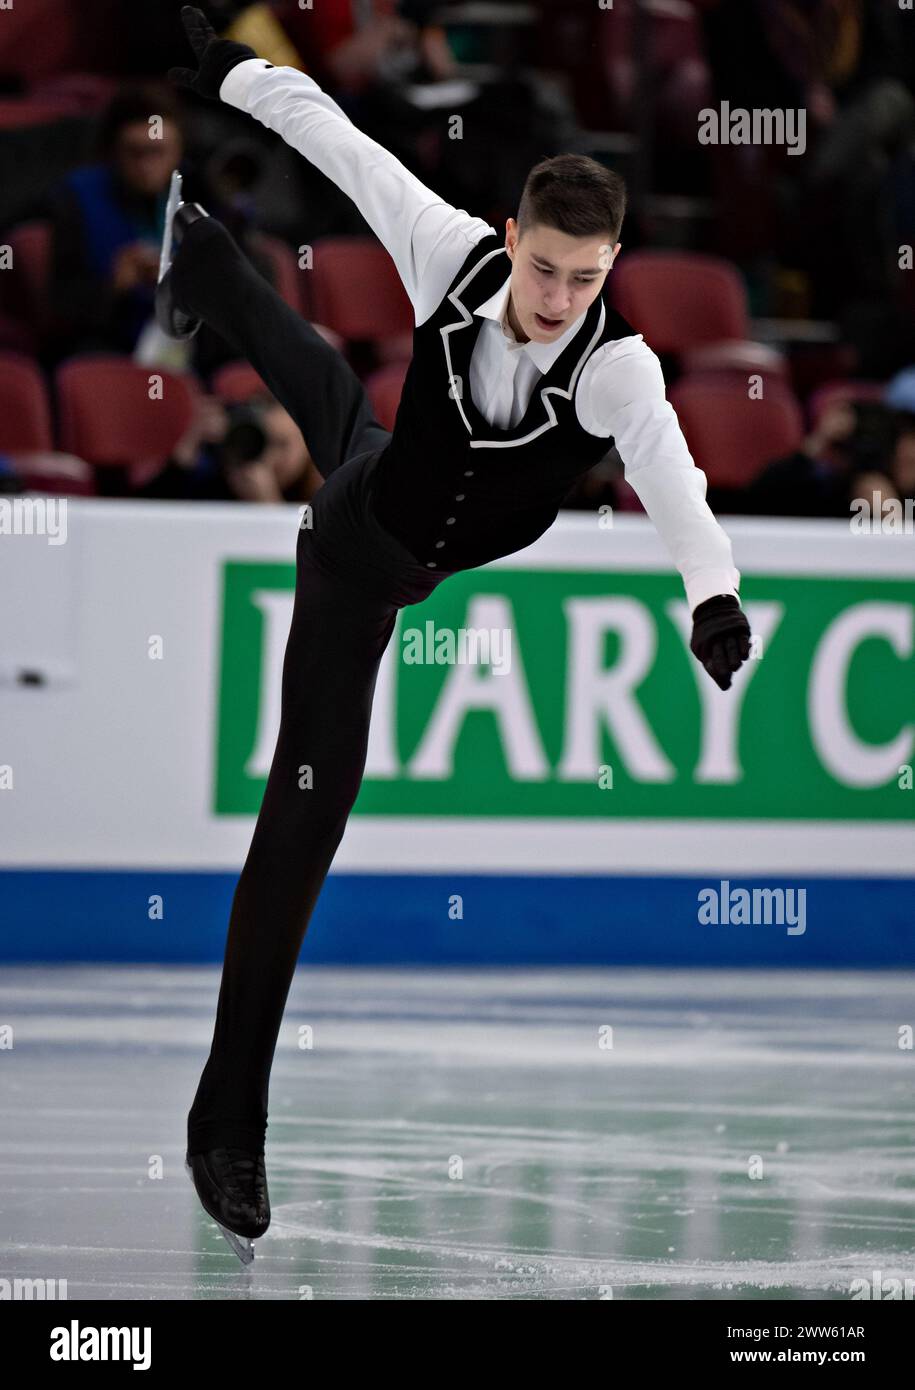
<point>472,1135</point>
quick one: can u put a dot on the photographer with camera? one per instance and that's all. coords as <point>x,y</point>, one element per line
<point>251,452</point>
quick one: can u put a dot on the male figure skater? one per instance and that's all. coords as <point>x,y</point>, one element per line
<point>521,380</point>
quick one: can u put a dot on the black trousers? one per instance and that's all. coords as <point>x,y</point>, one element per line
<point>352,576</point>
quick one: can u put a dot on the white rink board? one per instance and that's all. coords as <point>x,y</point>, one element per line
<point>113,757</point>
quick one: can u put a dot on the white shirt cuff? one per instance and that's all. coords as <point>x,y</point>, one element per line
<point>236,84</point>
<point>707,585</point>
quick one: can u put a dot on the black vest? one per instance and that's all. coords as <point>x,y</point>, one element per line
<point>453,489</point>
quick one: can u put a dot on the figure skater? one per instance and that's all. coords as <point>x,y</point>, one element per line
<point>521,380</point>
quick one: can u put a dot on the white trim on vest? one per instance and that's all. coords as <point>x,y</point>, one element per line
<point>466,320</point>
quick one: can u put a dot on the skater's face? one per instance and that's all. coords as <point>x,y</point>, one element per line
<point>555,278</point>
<point>145,163</point>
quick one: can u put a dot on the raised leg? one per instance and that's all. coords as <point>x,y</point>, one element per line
<point>215,281</point>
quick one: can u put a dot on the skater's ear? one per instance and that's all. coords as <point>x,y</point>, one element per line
<point>609,254</point>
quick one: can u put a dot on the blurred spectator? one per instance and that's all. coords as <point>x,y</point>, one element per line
<point>192,472</point>
<point>287,456</point>
<point>900,392</point>
<point>250,453</point>
<point>364,52</point>
<point>371,54</point>
<point>850,69</point>
<point>902,464</point>
<point>852,439</point>
<point>265,458</point>
<point>875,489</point>
<point>10,480</point>
<point>253,22</point>
<point>107,222</point>
<point>351,44</point>
<point>841,62</point>
<point>149,40</point>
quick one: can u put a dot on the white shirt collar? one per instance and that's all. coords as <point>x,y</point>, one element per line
<point>543,355</point>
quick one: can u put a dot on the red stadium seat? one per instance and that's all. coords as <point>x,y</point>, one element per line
<point>599,61</point>
<point>84,92</point>
<point>238,381</point>
<point>679,300</point>
<point>730,436</point>
<point>44,37</point>
<point>16,336</point>
<point>108,417</point>
<point>353,288</point>
<point>17,114</point>
<point>835,392</point>
<point>287,278</point>
<point>743,358</point>
<point>25,414</point>
<point>384,388</point>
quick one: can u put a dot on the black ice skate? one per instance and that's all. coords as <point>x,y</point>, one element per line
<point>178,217</point>
<point>232,1187</point>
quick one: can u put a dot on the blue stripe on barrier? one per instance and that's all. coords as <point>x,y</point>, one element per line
<point>398,919</point>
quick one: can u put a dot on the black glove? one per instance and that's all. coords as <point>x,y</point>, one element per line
<point>721,637</point>
<point>217,57</point>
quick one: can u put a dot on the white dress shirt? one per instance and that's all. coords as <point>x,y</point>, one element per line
<point>621,388</point>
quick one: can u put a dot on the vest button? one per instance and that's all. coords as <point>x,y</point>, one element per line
<point>450,520</point>
<point>439,544</point>
<point>431,565</point>
<point>468,473</point>
<point>459,496</point>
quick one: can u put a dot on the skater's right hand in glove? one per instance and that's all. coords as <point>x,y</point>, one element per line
<point>217,57</point>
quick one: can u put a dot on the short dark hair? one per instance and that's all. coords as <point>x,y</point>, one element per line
<point>133,102</point>
<point>574,194</point>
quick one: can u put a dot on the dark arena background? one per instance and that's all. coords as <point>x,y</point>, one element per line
<point>610,993</point>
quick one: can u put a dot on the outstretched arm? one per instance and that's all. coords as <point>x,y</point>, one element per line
<point>427,238</point>
<point>622,395</point>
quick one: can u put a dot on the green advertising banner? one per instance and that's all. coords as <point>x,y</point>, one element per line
<point>587,701</point>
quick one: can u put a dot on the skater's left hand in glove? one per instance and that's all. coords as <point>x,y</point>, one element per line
<point>217,57</point>
<point>721,637</point>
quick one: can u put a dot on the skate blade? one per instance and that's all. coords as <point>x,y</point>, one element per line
<point>171,207</point>
<point>242,1245</point>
